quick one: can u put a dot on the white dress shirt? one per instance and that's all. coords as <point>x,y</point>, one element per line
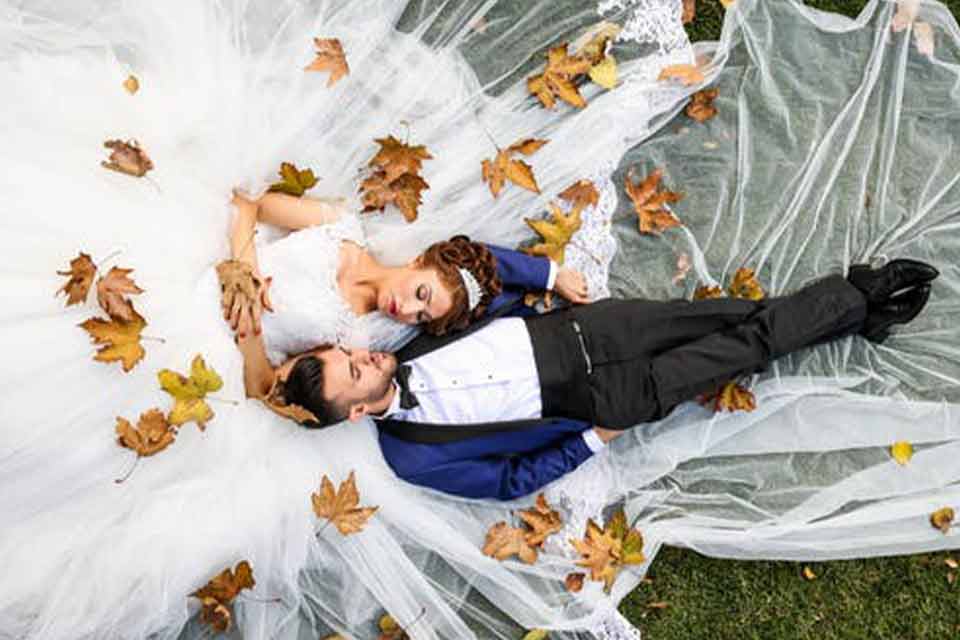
<point>488,376</point>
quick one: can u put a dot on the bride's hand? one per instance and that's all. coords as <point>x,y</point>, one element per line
<point>245,312</point>
<point>244,296</point>
<point>571,285</point>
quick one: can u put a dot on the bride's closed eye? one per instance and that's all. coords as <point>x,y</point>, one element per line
<point>424,294</point>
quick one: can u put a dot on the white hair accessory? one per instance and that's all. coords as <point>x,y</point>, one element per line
<point>474,292</point>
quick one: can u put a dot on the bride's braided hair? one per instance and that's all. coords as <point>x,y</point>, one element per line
<point>460,252</point>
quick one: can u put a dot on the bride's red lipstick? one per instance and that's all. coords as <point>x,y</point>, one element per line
<point>393,307</point>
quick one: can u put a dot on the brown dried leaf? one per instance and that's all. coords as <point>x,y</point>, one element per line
<point>652,217</point>
<point>688,74</point>
<point>557,80</point>
<point>127,157</point>
<point>390,629</point>
<point>942,519</point>
<point>82,270</point>
<point>556,233</point>
<point>574,581</point>
<point>278,404</point>
<point>330,57</point>
<point>110,294</point>
<point>294,182</point>
<point>121,339</point>
<point>600,553</point>
<point>542,521</point>
<point>730,397</point>
<point>701,107</point>
<point>340,506</point>
<point>658,605</point>
<point>152,434</point>
<point>218,594</point>
<point>745,285</point>
<point>689,11</point>
<point>703,292</point>
<point>504,541</point>
<point>581,194</point>
<point>131,84</point>
<point>396,158</point>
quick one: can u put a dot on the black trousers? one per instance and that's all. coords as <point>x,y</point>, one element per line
<point>618,363</point>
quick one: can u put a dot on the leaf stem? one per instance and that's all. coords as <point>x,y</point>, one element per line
<point>154,338</point>
<point>129,471</point>
<point>243,596</point>
<point>223,400</point>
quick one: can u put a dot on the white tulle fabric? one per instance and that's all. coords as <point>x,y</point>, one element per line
<point>835,143</point>
<point>309,308</point>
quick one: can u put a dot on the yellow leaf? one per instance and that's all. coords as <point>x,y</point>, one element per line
<point>131,84</point>
<point>727,3</point>
<point>294,182</point>
<point>503,167</point>
<point>330,57</point>
<point>556,233</point>
<point>942,519</point>
<point>808,574</point>
<point>189,393</point>
<point>745,285</point>
<point>122,339</point>
<point>536,634</point>
<point>605,73</point>
<point>901,451</point>
<point>340,506</point>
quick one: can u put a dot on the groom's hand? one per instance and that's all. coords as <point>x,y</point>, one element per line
<point>607,434</point>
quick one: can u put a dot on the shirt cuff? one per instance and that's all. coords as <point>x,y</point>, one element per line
<point>552,278</point>
<point>593,441</point>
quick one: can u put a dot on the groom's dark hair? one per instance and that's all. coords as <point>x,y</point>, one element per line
<point>304,386</point>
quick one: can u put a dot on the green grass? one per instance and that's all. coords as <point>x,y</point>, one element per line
<point>882,598</point>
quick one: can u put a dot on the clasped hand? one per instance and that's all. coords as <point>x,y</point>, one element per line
<point>243,296</point>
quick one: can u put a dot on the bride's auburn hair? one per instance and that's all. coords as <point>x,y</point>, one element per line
<point>459,252</point>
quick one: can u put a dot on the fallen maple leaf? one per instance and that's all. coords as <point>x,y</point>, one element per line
<point>218,594</point>
<point>404,193</point>
<point>189,393</point>
<point>330,57</point>
<point>557,80</point>
<point>340,506</point>
<point>556,233</point>
<point>688,74</point>
<point>605,551</point>
<point>704,292</point>
<point>294,182</point>
<point>604,73</point>
<point>574,581</point>
<point>495,173</point>
<point>701,107</point>
<point>942,519</point>
<point>649,204</point>
<point>279,405</point>
<point>581,194</point>
<point>901,451</point>
<point>131,84</point>
<point>122,339</point>
<point>82,270</point>
<point>730,397</point>
<point>396,158</point>
<point>536,634</point>
<point>151,435</point>
<point>541,520</point>
<point>950,562</point>
<point>745,285</point>
<point>504,541</point>
<point>689,11</point>
<point>390,629</point>
<point>110,294</point>
<point>923,37</point>
<point>808,574</point>
<point>127,157</point>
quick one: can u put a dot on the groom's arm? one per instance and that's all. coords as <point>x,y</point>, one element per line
<point>519,270</point>
<point>504,477</point>
<point>258,373</point>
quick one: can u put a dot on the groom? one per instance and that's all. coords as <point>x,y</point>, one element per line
<point>507,406</point>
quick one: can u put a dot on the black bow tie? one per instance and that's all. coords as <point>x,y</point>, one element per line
<point>408,399</point>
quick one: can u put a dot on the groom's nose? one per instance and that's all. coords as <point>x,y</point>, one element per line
<point>362,356</point>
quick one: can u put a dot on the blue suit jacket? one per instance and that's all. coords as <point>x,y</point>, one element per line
<point>503,465</point>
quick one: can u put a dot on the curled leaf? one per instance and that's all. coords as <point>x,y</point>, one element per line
<point>704,292</point>
<point>901,451</point>
<point>330,57</point>
<point>541,520</point>
<point>189,393</point>
<point>82,270</point>
<point>574,581</point>
<point>701,107</point>
<point>340,506</point>
<point>730,397</point>
<point>808,574</point>
<point>557,80</point>
<point>648,203</point>
<point>110,294</point>
<point>942,519</point>
<point>745,285</point>
<point>127,157</point>
<point>218,594</point>
<point>121,339</point>
<point>688,74</point>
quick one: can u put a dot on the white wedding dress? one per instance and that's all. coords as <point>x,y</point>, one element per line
<point>835,143</point>
<point>309,308</point>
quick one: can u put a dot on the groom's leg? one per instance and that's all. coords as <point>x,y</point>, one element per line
<point>645,389</point>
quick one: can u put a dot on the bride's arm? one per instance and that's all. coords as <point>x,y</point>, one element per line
<point>289,212</point>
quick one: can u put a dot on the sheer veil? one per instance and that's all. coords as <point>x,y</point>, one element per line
<point>835,143</point>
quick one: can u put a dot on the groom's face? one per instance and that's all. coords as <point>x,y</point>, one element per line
<point>357,380</point>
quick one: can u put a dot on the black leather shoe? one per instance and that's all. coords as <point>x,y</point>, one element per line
<point>900,309</point>
<point>879,284</point>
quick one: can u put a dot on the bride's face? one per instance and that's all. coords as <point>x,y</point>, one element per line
<point>414,295</point>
